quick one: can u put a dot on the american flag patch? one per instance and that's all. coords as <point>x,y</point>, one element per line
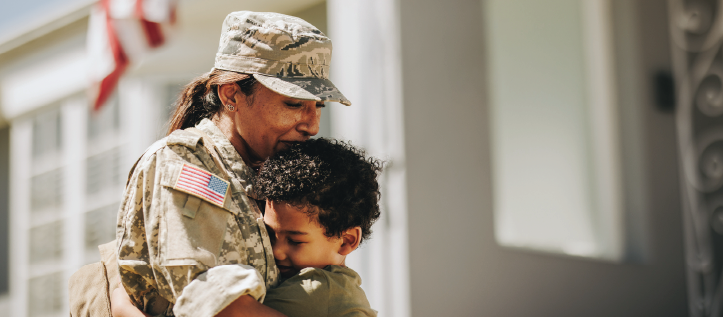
<point>205,185</point>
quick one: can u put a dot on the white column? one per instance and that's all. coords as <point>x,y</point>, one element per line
<point>139,99</point>
<point>74,116</point>
<point>20,162</point>
<point>366,67</point>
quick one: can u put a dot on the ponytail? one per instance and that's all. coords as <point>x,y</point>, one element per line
<point>199,99</point>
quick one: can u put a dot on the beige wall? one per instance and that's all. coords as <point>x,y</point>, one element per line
<point>456,268</point>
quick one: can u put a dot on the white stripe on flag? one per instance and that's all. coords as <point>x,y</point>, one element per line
<point>197,181</point>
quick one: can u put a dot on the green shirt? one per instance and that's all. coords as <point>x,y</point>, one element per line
<point>333,291</point>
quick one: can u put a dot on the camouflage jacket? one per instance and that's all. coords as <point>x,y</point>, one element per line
<point>167,237</point>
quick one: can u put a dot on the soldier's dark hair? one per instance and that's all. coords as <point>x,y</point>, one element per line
<point>333,181</point>
<point>199,99</point>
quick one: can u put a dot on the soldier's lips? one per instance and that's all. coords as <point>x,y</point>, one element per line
<point>288,144</point>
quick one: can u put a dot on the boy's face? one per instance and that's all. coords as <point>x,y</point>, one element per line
<point>298,241</point>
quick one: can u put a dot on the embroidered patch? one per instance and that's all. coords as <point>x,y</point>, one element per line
<point>202,184</point>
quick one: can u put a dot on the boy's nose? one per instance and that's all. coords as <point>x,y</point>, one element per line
<point>279,255</point>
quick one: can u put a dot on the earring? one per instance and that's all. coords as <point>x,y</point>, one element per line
<point>230,107</point>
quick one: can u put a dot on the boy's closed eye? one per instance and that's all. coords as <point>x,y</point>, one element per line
<point>295,242</point>
<point>289,239</point>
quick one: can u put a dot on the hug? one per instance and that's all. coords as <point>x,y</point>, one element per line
<point>236,206</point>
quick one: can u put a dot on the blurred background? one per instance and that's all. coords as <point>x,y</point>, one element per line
<point>545,158</point>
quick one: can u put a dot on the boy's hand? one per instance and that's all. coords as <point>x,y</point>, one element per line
<point>121,305</point>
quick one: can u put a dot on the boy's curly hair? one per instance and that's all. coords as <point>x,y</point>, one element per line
<point>331,179</point>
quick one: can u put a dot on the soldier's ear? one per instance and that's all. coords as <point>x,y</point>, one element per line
<point>230,94</point>
<point>350,240</point>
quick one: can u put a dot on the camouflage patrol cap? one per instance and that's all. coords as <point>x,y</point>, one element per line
<point>284,53</point>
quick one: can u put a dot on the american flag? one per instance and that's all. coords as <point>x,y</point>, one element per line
<point>198,182</point>
<point>121,32</point>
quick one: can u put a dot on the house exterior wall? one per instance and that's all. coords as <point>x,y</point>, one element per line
<point>367,68</point>
<point>456,267</point>
<point>416,72</point>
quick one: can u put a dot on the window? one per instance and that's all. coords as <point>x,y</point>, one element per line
<point>71,159</point>
<point>100,226</point>
<point>556,171</point>
<point>104,176</point>
<point>47,294</point>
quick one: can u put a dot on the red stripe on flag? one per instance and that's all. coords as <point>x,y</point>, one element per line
<point>192,183</point>
<point>201,194</point>
<point>193,180</point>
<point>107,85</point>
<point>202,178</point>
<point>152,30</point>
<point>172,18</point>
<point>196,181</point>
<point>198,173</point>
<point>202,191</point>
<point>154,33</point>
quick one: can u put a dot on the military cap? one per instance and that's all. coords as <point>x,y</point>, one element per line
<point>284,53</point>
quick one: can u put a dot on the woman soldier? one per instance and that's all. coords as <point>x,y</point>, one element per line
<point>188,205</point>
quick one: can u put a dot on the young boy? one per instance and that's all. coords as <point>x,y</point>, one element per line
<point>321,201</point>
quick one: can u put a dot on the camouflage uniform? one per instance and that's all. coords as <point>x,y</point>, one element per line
<point>167,238</point>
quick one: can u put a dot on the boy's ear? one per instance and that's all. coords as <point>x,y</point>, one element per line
<point>350,240</point>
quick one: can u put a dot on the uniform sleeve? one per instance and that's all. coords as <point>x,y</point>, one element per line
<point>217,288</point>
<point>162,246</point>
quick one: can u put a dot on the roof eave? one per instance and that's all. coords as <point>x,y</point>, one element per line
<point>45,24</point>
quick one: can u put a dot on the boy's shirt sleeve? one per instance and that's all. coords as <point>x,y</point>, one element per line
<point>332,292</point>
<point>304,294</point>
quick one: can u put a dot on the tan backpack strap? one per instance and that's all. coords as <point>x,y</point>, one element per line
<point>109,259</point>
<point>130,173</point>
<point>88,292</point>
<point>211,149</point>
